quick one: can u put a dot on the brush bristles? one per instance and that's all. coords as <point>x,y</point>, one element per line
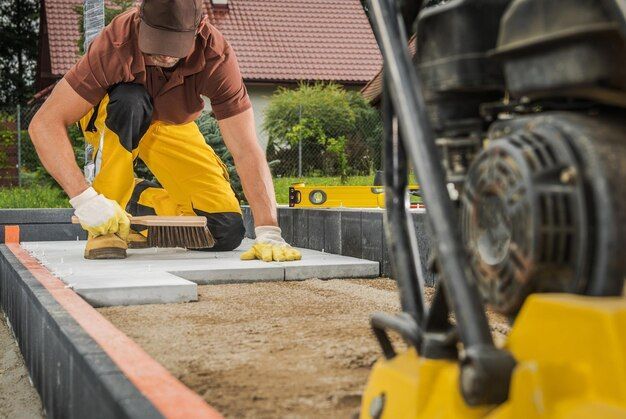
<point>176,236</point>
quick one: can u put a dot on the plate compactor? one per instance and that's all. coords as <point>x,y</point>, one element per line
<point>512,115</point>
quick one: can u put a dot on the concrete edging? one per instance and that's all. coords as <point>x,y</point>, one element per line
<point>42,224</point>
<point>343,231</point>
<point>79,363</point>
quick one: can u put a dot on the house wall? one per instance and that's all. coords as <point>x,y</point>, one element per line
<point>259,96</point>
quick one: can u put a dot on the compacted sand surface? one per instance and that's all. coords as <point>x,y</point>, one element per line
<point>18,399</point>
<point>273,349</point>
<point>268,350</point>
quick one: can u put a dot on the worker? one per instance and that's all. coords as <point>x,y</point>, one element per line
<point>136,93</point>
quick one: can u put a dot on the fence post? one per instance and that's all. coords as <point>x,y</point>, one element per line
<point>19,145</point>
<point>93,21</point>
<point>299,143</point>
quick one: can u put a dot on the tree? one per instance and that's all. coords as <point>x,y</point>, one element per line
<point>19,27</point>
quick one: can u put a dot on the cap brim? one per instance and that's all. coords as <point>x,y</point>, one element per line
<point>164,42</point>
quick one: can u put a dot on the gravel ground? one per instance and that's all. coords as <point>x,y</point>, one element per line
<point>267,350</point>
<point>18,399</point>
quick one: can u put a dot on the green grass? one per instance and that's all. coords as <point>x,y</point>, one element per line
<point>33,197</point>
<point>281,185</point>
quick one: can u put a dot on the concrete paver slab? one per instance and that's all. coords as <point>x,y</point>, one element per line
<point>151,276</point>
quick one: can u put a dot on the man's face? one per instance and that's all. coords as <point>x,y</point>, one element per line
<point>163,60</point>
<point>167,61</point>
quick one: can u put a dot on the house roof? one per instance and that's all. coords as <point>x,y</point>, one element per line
<point>374,88</point>
<point>300,39</point>
<point>275,40</point>
<point>62,26</point>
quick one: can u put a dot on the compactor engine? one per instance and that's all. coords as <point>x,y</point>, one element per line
<point>526,99</point>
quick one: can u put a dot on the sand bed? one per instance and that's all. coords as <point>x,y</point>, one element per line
<point>267,350</point>
<point>288,349</point>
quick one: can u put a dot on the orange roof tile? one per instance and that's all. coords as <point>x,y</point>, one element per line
<point>62,21</point>
<point>275,40</point>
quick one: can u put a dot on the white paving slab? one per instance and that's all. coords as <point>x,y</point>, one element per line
<point>149,276</point>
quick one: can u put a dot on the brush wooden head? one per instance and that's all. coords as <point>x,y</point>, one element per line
<point>160,220</point>
<point>173,221</point>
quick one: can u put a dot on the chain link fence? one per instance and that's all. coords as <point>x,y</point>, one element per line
<point>337,146</point>
<point>330,150</point>
<point>19,163</point>
<point>17,155</point>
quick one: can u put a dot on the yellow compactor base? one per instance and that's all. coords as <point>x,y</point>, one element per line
<point>571,354</point>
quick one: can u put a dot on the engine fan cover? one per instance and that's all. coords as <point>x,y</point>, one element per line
<point>525,215</point>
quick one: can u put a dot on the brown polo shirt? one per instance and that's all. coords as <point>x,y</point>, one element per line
<point>211,70</point>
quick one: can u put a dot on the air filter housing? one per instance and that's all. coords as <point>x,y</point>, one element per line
<point>543,208</point>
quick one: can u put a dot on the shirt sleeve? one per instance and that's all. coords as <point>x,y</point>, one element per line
<point>97,70</point>
<point>225,88</point>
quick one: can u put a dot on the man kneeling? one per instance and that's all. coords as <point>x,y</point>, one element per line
<point>136,94</point>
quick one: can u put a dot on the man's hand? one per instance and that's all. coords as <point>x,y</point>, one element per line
<point>99,215</point>
<point>270,246</point>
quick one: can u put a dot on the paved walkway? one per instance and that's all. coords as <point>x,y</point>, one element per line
<point>150,276</point>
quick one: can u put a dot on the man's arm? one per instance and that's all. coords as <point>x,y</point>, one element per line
<point>48,132</point>
<point>240,137</point>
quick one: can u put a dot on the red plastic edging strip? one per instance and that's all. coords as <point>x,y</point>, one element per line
<point>168,395</point>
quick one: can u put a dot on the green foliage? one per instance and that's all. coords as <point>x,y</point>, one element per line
<point>33,172</point>
<point>19,28</point>
<point>7,138</point>
<point>33,197</point>
<point>213,137</point>
<point>365,149</point>
<point>119,6</point>
<point>7,143</point>
<point>340,132</point>
<point>326,103</point>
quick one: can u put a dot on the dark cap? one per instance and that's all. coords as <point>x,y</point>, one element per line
<point>168,27</point>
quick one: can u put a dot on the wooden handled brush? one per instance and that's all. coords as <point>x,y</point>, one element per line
<point>190,232</point>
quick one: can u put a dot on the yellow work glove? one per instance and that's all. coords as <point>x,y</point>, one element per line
<point>270,246</point>
<point>100,215</point>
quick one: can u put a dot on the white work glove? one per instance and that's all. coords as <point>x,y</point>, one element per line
<point>100,215</point>
<point>270,246</point>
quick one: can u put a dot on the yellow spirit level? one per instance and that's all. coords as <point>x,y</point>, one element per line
<point>301,195</point>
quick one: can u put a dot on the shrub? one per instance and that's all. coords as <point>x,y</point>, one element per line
<point>338,130</point>
<point>33,172</point>
<point>365,147</point>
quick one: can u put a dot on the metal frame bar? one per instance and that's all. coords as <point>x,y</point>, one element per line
<point>485,370</point>
<point>419,142</point>
<point>403,250</point>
